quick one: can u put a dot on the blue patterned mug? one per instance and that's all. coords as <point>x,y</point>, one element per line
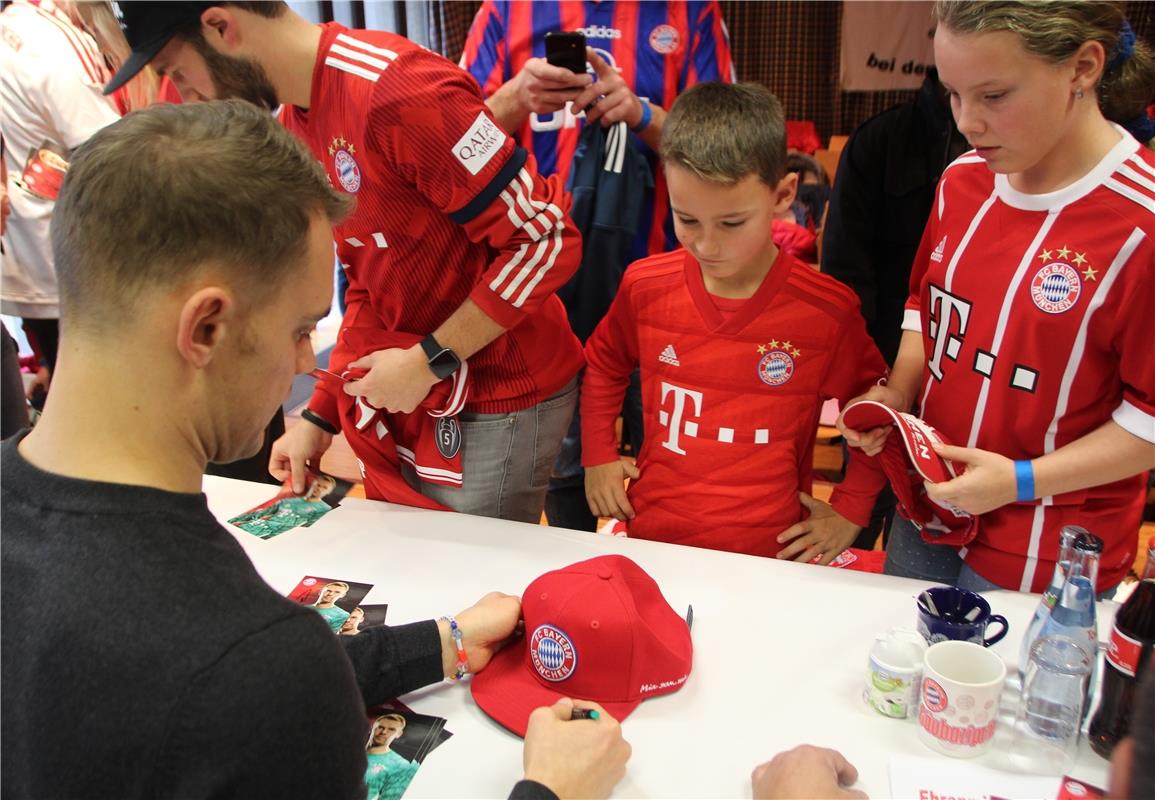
<point>949,613</point>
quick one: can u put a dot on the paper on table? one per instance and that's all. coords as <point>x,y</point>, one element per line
<point>941,778</point>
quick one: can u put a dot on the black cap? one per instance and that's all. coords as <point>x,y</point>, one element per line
<point>148,26</point>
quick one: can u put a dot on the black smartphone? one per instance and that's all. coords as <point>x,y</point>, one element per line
<point>566,50</point>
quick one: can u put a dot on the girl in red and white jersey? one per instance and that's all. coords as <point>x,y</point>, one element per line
<point>1028,330</point>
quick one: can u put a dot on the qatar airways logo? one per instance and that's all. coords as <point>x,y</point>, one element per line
<point>600,32</point>
<point>480,143</point>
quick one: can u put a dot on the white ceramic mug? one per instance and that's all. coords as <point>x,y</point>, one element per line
<point>959,704</point>
<point>894,673</point>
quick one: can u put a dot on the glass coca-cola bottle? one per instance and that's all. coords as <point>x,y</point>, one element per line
<point>1132,638</point>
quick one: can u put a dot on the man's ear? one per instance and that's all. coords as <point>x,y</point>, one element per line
<point>207,317</point>
<point>219,26</point>
<point>785,192</point>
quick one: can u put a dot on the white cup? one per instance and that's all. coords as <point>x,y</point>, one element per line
<point>959,704</point>
<point>894,673</point>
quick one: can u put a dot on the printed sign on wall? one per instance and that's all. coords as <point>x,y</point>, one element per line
<point>885,45</point>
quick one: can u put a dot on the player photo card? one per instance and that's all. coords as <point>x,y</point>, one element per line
<point>323,492</point>
<point>332,598</point>
<point>362,618</point>
<point>399,740</point>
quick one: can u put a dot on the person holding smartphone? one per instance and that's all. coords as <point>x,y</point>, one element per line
<point>641,56</point>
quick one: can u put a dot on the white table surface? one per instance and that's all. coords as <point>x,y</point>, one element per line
<point>779,648</point>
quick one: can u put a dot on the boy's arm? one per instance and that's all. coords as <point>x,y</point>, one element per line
<point>611,355</point>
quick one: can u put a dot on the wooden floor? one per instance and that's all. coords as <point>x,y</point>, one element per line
<point>340,461</point>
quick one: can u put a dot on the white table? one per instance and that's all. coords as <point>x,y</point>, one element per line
<point>779,648</point>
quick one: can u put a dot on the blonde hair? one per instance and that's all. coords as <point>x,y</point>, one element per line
<point>1054,30</point>
<point>724,132</point>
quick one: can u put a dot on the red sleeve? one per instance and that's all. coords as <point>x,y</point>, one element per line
<point>324,400</point>
<point>433,128</point>
<point>855,368</point>
<point>611,355</point>
<point>1136,413</point>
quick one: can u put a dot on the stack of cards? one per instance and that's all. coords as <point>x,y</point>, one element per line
<point>399,740</point>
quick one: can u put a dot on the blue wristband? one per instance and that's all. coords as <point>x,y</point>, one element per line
<point>1024,481</point>
<point>647,116</point>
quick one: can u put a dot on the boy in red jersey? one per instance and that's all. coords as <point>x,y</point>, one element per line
<point>1028,330</point>
<point>455,236</point>
<point>739,344</point>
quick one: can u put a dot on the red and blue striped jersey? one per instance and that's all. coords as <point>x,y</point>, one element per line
<point>660,48</point>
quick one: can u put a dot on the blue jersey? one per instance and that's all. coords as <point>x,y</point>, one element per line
<point>660,49</point>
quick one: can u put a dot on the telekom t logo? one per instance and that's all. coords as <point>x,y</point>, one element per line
<point>673,419</point>
<point>944,306</point>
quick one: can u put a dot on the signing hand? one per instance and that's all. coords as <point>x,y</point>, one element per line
<point>485,627</point>
<point>606,491</point>
<point>987,483</point>
<point>872,441</point>
<point>397,381</point>
<point>575,758</point>
<point>825,532</point>
<point>806,771</point>
<point>609,98</point>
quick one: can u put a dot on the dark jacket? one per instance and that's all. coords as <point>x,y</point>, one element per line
<point>609,181</point>
<point>880,204</point>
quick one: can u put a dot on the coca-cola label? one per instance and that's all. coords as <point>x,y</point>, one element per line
<point>1124,652</point>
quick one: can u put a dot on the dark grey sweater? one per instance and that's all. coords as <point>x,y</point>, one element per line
<point>144,657</point>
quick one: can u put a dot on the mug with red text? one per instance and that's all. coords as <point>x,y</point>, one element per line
<point>959,703</point>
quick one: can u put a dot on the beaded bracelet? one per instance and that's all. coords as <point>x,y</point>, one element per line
<point>462,658</point>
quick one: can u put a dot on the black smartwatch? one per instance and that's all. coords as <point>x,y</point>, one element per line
<point>443,362</point>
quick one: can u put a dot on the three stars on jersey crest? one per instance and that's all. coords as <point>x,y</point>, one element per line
<point>340,143</point>
<point>774,344</point>
<point>1063,254</point>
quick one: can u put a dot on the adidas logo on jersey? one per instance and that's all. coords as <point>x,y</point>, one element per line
<point>600,32</point>
<point>668,356</point>
<point>939,251</point>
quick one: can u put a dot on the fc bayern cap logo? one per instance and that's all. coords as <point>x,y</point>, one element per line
<point>597,630</point>
<point>552,653</point>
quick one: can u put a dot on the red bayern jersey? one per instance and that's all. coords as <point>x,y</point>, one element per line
<point>659,48</point>
<point>731,400</point>
<point>1035,312</point>
<point>448,209</point>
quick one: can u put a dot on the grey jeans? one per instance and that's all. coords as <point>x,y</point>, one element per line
<point>506,460</point>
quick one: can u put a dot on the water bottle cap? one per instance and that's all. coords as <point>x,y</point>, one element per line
<point>1088,543</point>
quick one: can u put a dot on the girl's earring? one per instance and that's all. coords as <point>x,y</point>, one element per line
<point>1079,93</point>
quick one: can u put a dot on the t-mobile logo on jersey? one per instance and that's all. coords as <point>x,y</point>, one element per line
<point>943,307</point>
<point>673,419</point>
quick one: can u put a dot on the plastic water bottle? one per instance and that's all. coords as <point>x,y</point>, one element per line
<point>1050,595</point>
<point>1074,612</point>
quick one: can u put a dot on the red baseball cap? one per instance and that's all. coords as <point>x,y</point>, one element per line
<point>597,630</point>
<point>908,459</point>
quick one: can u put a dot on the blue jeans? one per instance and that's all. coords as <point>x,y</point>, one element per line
<point>506,460</point>
<point>908,556</point>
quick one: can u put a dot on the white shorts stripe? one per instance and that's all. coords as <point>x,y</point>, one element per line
<point>353,69</point>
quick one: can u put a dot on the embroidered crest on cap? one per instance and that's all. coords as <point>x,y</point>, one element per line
<point>348,173</point>
<point>552,653</point>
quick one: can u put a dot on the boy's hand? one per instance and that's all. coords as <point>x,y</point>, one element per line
<point>872,441</point>
<point>825,532</point>
<point>606,491</point>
